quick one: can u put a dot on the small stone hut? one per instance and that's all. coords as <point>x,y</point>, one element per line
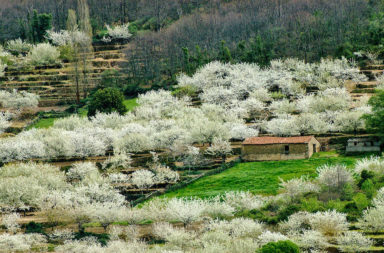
<point>279,148</point>
<point>360,145</point>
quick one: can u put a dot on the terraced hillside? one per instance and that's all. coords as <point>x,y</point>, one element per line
<point>55,83</point>
<point>363,89</point>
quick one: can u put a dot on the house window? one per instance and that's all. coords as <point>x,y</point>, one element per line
<point>286,149</point>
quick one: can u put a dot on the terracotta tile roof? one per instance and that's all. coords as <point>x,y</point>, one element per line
<point>277,140</point>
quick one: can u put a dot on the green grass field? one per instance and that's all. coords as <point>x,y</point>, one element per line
<point>42,123</point>
<point>259,177</point>
<point>48,122</point>
<point>131,103</point>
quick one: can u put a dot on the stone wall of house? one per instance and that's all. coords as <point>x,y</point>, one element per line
<point>363,145</point>
<point>270,152</point>
<point>311,148</point>
<point>276,152</point>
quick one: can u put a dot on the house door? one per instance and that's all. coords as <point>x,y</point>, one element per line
<point>314,148</point>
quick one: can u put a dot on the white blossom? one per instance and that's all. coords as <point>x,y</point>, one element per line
<point>352,241</point>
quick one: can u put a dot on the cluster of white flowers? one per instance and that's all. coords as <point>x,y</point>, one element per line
<point>373,218</point>
<point>374,164</point>
<point>17,99</point>
<point>18,46</point>
<point>10,221</point>
<point>117,161</point>
<point>43,54</point>
<point>117,32</point>
<point>90,244</point>
<point>22,242</point>
<point>334,177</point>
<point>83,195</point>
<point>297,187</point>
<point>2,67</point>
<point>287,75</point>
<point>60,38</point>
<point>352,241</point>
<point>4,121</point>
<point>160,122</point>
<point>188,210</point>
<point>244,89</point>
<point>328,223</point>
<point>65,37</point>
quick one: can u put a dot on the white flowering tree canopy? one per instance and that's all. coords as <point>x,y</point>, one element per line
<point>118,32</point>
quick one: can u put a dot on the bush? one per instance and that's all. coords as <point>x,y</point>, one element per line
<point>280,247</point>
<point>288,211</point>
<point>347,192</point>
<point>106,101</point>
<point>184,91</point>
<point>33,227</point>
<point>133,90</point>
<point>361,201</point>
<point>101,238</point>
<point>369,188</point>
<point>312,205</point>
<point>17,47</point>
<point>365,175</point>
<point>66,53</point>
<point>43,54</point>
<point>277,95</point>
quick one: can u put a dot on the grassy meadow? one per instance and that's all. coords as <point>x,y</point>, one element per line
<point>260,177</point>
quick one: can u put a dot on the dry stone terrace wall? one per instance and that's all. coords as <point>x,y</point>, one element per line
<point>54,83</point>
<point>362,89</point>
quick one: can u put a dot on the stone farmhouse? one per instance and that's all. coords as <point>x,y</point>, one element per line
<point>360,145</point>
<point>279,148</point>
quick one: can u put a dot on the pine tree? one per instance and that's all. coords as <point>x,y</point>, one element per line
<point>225,53</point>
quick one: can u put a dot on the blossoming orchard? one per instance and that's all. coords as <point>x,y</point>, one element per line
<point>93,160</point>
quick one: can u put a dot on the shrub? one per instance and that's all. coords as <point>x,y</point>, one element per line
<point>347,192</point>
<point>184,91</point>
<point>329,222</point>
<point>18,100</point>
<point>365,175</point>
<point>352,241</point>
<point>312,205</point>
<point>66,53</point>
<point>361,201</point>
<point>298,187</point>
<point>334,177</point>
<point>106,101</point>
<point>373,164</point>
<point>33,227</point>
<point>18,46</point>
<point>286,212</point>
<point>101,238</point>
<point>143,179</point>
<point>118,32</point>
<point>43,54</point>
<point>368,188</point>
<point>280,247</point>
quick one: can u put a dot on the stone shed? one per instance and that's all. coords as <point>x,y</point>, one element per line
<point>360,145</point>
<point>279,148</point>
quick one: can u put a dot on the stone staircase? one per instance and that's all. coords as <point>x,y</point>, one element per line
<point>55,83</point>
